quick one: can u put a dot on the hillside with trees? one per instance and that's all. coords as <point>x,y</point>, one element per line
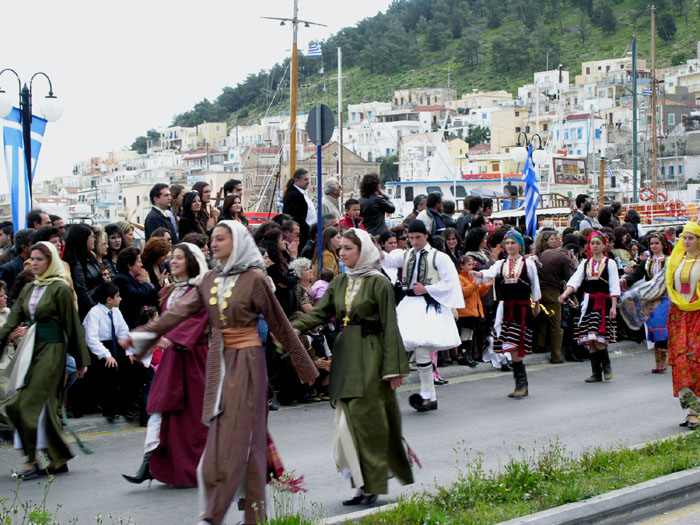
<point>470,44</point>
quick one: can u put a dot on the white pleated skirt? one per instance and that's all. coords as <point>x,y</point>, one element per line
<point>437,331</point>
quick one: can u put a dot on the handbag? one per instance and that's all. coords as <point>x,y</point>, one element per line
<point>17,369</point>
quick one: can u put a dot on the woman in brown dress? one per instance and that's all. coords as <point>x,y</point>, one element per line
<point>235,294</point>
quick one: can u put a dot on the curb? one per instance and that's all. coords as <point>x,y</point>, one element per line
<point>622,505</point>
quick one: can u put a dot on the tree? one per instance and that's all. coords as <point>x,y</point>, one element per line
<point>468,49</point>
<point>582,29</point>
<point>604,17</point>
<point>436,37</point>
<point>141,143</point>
<point>389,168</point>
<point>665,26</point>
<point>478,135</point>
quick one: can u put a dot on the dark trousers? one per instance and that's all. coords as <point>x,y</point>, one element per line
<point>119,387</point>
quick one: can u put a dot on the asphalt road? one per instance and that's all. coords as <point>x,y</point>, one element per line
<point>474,415</point>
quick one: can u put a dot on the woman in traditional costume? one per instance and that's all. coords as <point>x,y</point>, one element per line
<point>518,294</point>
<point>47,306</point>
<point>176,436</point>
<point>597,277</point>
<point>369,364</point>
<point>680,281</point>
<point>657,333</point>
<point>235,294</point>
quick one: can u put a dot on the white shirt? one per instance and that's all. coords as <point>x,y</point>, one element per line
<point>613,280</point>
<point>311,210</point>
<point>495,270</point>
<point>447,291</point>
<point>98,328</point>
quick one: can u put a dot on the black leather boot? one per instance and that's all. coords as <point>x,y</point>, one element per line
<point>596,368</point>
<point>605,363</point>
<point>520,376</point>
<point>144,472</point>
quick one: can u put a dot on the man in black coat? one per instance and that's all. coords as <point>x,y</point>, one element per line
<point>160,215</point>
<point>298,204</point>
<point>23,241</point>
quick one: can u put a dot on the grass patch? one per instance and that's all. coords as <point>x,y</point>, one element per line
<point>531,482</point>
<point>542,480</point>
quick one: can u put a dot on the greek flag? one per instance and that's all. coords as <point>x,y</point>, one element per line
<point>314,50</point>
<point>18,179</point>
<point>532,195</point>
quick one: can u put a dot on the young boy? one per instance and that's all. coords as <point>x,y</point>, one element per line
<point>104,325</point>
<point>352,217</point>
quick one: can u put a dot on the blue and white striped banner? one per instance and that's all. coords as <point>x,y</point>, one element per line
<point>532,195</point>
<point>15,165</point>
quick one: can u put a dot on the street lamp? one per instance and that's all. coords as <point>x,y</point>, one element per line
<point>539,156</point>
<point>49,106</point>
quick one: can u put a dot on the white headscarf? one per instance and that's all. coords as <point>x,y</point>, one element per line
<point>368,262</point>
<point>245,253</point>
<point>201,262</point>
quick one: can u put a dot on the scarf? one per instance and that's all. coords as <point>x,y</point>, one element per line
<point>672,265</point>
<point>513,235</point>
<point>368,262</point>
<point>55,273</point>
<point>201,262</point>
<point>244,255</point>
<point>596,235</point>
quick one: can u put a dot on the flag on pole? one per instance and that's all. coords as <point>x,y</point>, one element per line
<point>320,71</point>
<point>532,195</point>
<point>314,50</point>
<point>16,166</point>
<point>608,171</point>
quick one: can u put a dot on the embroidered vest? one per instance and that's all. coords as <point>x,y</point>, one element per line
<point>427,272</point>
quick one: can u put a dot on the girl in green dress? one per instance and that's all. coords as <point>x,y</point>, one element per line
<point>369,364</point>
<point>46,305</point>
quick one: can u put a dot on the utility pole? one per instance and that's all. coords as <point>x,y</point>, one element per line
<point>635,181</point>
<point>601,184</point>
<point>293,81</point>
<point>654,145</point>
<point>340,126</point>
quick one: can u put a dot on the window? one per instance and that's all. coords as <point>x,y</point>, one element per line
<point>138,201</point>
<point>431,189</point>
<point>579,133</point>
<point>494,166</point>
<point>369,115</point>
<point>484,116</point>
<point>588,71</point>
<point>663,170</point>
<point>597,134</point>
<point>461,192</point>
<point>527,129</point>
<point>545,127</point>
<point>680,169</point>
<point>578,152</point>
<point>517,130</point>
<point>408,193</point>
<point>517,113</point>
<point>566,134</point>
<point>218,128</point>
<point>138,219</point>
<point>671,171</point>
<point>435,100</point>
<point>671,119</point>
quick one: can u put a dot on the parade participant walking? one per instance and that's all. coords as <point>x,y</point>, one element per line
<point>432,289</point>
<point>595,325</point>
<point>46,305</point>
<point>680,281</point>
<point>369,364</point>
<point>657,333</point>
<point>176,436</point>
<point>517,290</point>
<point>234,295</point>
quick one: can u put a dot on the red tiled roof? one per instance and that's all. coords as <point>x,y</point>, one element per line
<point>581,116</point>
<point>263,150</point>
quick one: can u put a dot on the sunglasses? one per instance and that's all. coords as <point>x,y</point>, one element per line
<point>403,238</point>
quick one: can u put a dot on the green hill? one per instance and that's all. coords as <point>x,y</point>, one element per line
<point>482,44</point>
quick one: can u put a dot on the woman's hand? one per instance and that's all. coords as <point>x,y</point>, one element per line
<point>613,312</point>
<point>562,298</point>
<point>80,373</point>
<point>293,248</point>
<point>628,269</point>
<point>126,342</point>
<point>164,343</point>
<point>537,309</point>
<point>323,364</point>
<point>395,382</point>
<point>143,276</point>
<point>18,332</point>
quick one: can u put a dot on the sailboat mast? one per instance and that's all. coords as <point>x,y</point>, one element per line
<point>293,96</point>
<point>654,144</point>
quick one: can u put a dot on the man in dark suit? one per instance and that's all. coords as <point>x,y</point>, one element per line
<point>23,241</point>
<point>298,204</point>
<point>160,215</point>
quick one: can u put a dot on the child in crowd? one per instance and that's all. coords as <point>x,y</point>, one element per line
<point>319,287</point>
<point>473,310</point>
<point>112,365</point>
<point>352,217</point>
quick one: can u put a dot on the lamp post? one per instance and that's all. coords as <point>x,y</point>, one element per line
<point>49,106</point>
<point>539,156</point>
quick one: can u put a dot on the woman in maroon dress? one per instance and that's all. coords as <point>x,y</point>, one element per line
<point>176,436</point>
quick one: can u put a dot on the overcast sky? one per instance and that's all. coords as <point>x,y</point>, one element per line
<point>121,68</point>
